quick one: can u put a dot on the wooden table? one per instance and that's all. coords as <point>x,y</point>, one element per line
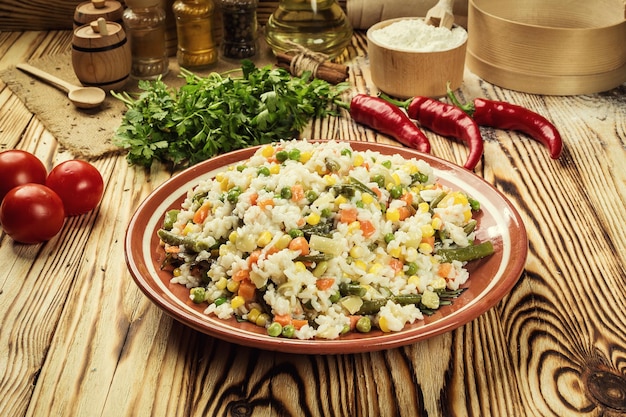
<point>78,338</point>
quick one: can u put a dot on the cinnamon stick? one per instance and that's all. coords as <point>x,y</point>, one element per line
<point>328,71</point>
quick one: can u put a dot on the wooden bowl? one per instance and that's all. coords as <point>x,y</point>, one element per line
<point>403,74</point>
<point>548,46</point>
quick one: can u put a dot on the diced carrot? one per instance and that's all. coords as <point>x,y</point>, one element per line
<point>253,198</point>
<point>298,324</point>
<point>444,269</point>
<point>407,198</point>
<point>300,244</point>
<point>282,319</point>
<point>404,212</point>
<point>324,283</point>
<point>241,275</point>
<point>367,227</point>
<point>430,240</point>
<point>348,215</point>
<point>246,290</point>
<point>353,321</point>
<point>301,221</point>
<point>172,249</point>
<point>297,192</point>
<point>396,264</point>
<point>202,213</point>
<point>377,192</point>
<point>268,202</point>
<point>254,257</point>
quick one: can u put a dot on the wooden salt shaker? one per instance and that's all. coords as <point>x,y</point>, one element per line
<point>101,55</point>
<point>91,11</point>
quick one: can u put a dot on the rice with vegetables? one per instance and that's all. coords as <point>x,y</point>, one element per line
<point>314,240</point>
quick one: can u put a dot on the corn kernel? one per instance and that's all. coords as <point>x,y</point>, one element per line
<point>357,252</point>
<point>177,272</point>
<point>262,320</point>
<point>393,215</point>
<point>395,252</point>
<point>224,184</point>
<point>313,219</point>
<point>425,248</point>
<point>300,266</point>
<point>396,178</point>
<point>367,198</point>
<point>354,226</point>
<point>219,177</point>
<point>305,156</point>
<point>340,200</point>
<point>282,242</point>
<point>330,180</point>
<point>382,323</point>
<point>358,160</point>
<point>414,280</point>
<point>437,223</point>
<point>274,169</point>
<point>423,207</point>
<point>187,229</point>
<point>232,237</point>
<point>253,315</point>
<point>264,239</point>
<point>232,286</point>
<point>361,265</point>
<point>237,301</point>
<point>267,151</point>
<point>467,215</point>
<point>375,268</point>
<point>427,230</point>
<point>221,283</point>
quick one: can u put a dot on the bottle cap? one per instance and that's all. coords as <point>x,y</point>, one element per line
<point>142,3</point>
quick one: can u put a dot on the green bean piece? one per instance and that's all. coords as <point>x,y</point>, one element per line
<point>219,301</point>
<point>474,204</point>
<point>335,297</point>
<point>406,299</point>
<point>352,289</point>
<point>419,177</point>
<point>320,269</point>
<point>319,257</point>
<point>466,254</point>
<point>275,329</point>
<point>198,295</point>
<point>372,306</point>
<point>364,324</point>
<point>364,188</point>
<point>437,200</point>
<point>470,226</point>
<point>332,166</point>
<point>176,240</point>
<point>289,331</point>
<point>170,218</point>
<point>379,179</point>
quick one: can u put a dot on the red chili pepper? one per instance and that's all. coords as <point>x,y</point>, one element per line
<point>388,119</point>
<point>448,120</point>
<point>502,115</point>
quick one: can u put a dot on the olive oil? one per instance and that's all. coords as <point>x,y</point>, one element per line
<point>318,25</point>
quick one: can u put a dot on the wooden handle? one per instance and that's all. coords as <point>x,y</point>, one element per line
<point>46,76</point>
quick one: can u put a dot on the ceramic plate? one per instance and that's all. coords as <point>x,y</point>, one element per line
<point>490,278</point>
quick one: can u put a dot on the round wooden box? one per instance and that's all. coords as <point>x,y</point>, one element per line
<point>548,47</point>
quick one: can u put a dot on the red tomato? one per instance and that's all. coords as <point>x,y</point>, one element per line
<point>19,167</point>
<point>32,213</point>
<point>78,183</point>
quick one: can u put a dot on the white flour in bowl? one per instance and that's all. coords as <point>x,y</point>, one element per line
<point>416,36</point>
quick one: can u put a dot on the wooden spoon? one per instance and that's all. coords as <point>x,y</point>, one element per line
<point>441,14</point>
<point>81,97</point>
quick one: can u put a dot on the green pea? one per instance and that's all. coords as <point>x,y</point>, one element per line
<point>233,194</point>
<point>386,164</point>
<point>275,329</point>
<point>389,237</point>
<point>294,154</point>
<point>294,233</point>
<point>346,152</point>
<point>311,195</point>
<point>360,204</point>
<point>411,268</point>
<point>289,331</point>
<point>335,297</point>
<point>240,168</point>
<point>285,193</point>
<point>396,191</point>
<point>263,171</point>
<point>198,295</point>
<point>282,156</point>
<point>364,325</point>
<point>379,179</point>
<point>326,212</point>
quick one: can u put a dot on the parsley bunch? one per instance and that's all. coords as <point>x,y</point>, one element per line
<point>219,113</point>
